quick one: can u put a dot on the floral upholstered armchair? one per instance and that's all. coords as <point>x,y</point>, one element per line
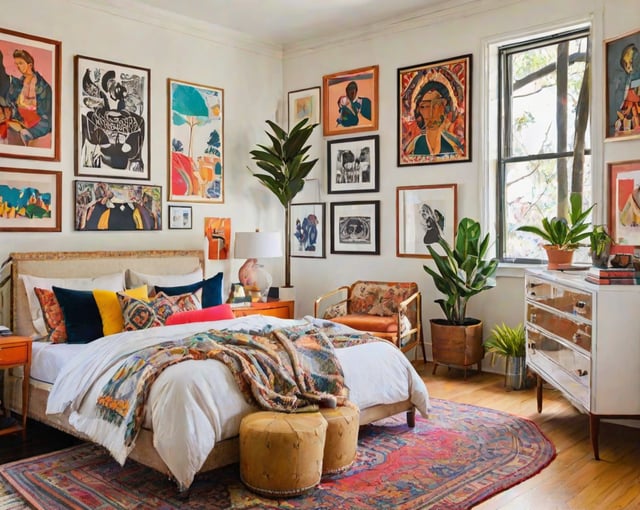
<point>390,310</point>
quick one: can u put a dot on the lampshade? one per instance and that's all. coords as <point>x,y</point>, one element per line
<point>258,245</point>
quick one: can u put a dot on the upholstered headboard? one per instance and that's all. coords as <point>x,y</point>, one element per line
<point>89,264</point>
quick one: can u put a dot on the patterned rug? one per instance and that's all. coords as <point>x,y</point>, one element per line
<point>460,456</point>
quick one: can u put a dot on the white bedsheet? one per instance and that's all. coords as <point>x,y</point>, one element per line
<point>193,404</point>
<point>47,359</point>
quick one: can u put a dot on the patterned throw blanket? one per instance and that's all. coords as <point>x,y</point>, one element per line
<point>289,369</point>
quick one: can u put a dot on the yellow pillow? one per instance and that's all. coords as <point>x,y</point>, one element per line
<point>109,307</point>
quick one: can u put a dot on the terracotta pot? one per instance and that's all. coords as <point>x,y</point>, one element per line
<point>559,258</point>
<point>456,345</point>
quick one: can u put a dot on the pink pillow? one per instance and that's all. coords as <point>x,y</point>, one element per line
<point>213,313</point>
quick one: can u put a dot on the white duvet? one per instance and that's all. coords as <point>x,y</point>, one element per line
<point>194,404</point>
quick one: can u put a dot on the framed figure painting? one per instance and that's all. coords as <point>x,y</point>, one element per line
<point>355,227</point>
<point>350,101</point>
<point>304,104</point>
<point>112,105</point>
<point>196,143</point>
<point>434,112</point>
<point>622,56</point>
<point>307,230</point>
<point>352,165</point>
<point>424,214</point>
<point>624,202</point>
<point>29,96</point>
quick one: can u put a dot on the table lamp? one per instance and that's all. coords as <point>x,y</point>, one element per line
<point>253,246</point>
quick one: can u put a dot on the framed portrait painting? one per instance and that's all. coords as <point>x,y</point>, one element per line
<point>196,142</point>
<point>108,206</point>
<point>304,104</point>
<point>434,112</point>
<point>350,101</point>
<point>622,76</point>
<point>355,227</point>
<point>308,230</point>
<point>624,202</point>
<point>180,217</point>
<point>424,214</point>
<point>353,165</point>
<point>30,200</point>
<point>29,96</point>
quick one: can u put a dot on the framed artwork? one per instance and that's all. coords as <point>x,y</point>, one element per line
<point>30,200</point>
<point>218,234</point>
<point>424,214</point>
<point>353,165</point>
<point>434,112</point>
<point>350,101</point>
<point>196,148</point>
<point>304,104</point>
<point>355,227</point>
<point>307,230</point>
<point>622,77</point>
<point>624,202</point>
<point>30,96</point>
<point>112,105</point>
<point>117,206</point>
<point>180,217</point>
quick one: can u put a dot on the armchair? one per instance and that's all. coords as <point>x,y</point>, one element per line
<point>390,310</point>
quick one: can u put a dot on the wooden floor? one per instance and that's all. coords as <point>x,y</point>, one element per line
<point>574,480</point>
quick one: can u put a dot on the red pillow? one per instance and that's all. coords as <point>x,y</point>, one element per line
<point>213,313</point>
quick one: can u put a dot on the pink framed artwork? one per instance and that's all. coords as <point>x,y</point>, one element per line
<point>624,202</point>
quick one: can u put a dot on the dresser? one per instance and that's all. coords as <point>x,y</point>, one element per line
<point>15,351</point>
<point>584,340</point>
<point>281,309</point>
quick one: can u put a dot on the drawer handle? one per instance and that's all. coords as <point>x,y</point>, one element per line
<point>580,304</point>
<point>581,372</point>
<point>532,317</point>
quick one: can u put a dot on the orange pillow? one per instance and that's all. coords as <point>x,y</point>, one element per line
<point>52,314</point>
<point>212,313</point>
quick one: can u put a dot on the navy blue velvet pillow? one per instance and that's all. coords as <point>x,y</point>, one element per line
<point>211,290</point>
<point>81,315</point>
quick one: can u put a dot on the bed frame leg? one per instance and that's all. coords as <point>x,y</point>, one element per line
<point>411,417</point>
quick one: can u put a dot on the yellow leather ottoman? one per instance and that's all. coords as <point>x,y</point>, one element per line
<point>281,453</point>
<point>342,439</point>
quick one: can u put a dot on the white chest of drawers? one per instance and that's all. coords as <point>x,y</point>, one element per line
<point>584,340</point>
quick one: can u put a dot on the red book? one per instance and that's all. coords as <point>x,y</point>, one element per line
<point>611,272</point>
<point>610,281</point>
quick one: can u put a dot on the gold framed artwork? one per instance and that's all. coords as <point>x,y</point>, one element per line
<point>304,104</point>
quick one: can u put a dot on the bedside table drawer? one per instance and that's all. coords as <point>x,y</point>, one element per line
<point>14,355</point>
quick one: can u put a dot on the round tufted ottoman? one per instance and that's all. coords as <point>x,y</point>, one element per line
<point>281,453</point>
<point>342,439</point>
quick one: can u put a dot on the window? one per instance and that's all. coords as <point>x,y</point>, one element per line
<point>543,152</point>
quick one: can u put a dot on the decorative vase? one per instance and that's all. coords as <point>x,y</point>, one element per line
<point>601,260</point>
<point>516,372</point>
<point>559,258</point>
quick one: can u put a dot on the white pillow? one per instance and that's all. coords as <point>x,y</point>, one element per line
<point>114,282</point>
<point>136,279</point>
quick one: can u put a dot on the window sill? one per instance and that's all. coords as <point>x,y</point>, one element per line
<point>509,270</point>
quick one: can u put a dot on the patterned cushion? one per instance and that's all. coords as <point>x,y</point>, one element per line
<point>336,310</point>
<point>211,290</point>
<point>376,298</point>
<point>109,307</point>
<point>53,317</point>
<point>139,314</point>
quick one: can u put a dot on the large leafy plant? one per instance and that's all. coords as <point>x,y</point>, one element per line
<point>462,271</point>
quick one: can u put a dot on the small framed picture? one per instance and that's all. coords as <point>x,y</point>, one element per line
<point>353,165</point>
<point>624,202</point>
<point>424,214</point>
<point>30,200</point>
<point>355,227</point>
<point>304,104</point>
<point>307,230</point>
<point>180,217</point>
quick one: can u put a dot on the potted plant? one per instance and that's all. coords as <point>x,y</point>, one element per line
<point>509,343</point>
<point>460,273</point>
<point>600,246</point>
<point>563,236</point>
<point>286,164</point>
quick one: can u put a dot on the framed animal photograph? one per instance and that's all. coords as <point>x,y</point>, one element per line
<point>622,60</point>
<point>304,104</point>
<point>355,227</point>
<point>196,142</point>
<point>353,165</point>
<point>624,202</point>
<point>350,101</point>
<point>434,112</point>
<point>308,230</point>
<point>112,105</point>
<point>30,200</point>
<point>424,214</point>
<point>180,217</point>
<point>108,206</point>
<point>29,96</point>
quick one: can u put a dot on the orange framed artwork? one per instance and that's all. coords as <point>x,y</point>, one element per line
<point>350,101</point>
<point>624,202</point>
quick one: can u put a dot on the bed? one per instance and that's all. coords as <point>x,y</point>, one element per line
<point>176,440</point>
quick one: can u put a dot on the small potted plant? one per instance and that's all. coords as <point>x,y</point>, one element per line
<point>600,246</point>
<point>510,343</point>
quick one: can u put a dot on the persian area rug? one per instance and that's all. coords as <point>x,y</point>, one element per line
<point>460,456</point>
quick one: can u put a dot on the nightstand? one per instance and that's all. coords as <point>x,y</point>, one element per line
<point>15,351</point>
<point>281,309</point>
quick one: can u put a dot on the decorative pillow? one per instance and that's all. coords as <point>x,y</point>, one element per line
<point>109,307</point>
<point>336,310</point>
<point>52,314</point>
<point>114,281</point>
<point>139,314</point>
<point>81,315</point>
<point>389,299</point>
<point>212,313</point>
<point>136,279</point>
<point>211,290</point>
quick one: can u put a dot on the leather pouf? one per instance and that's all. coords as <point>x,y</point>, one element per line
<point>281,453</point>
<point>342,439</point>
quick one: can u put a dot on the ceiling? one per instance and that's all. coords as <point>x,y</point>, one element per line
<point>287,22</point>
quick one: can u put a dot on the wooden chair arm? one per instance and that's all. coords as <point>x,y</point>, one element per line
<point>324,297</point>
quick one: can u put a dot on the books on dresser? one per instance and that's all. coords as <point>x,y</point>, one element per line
<point>611,276</point>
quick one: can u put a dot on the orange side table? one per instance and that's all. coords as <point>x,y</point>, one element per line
<point>15,351</point>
